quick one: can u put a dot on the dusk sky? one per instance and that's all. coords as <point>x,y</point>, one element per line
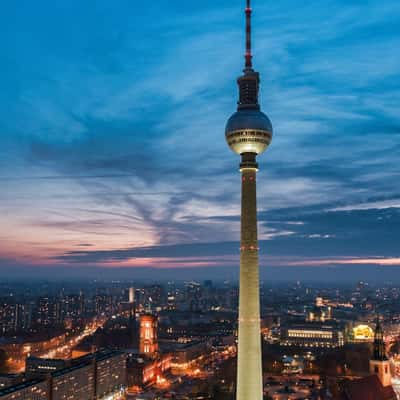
<point>112,135</point>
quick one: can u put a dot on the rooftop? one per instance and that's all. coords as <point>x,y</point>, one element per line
<point>20,386</point>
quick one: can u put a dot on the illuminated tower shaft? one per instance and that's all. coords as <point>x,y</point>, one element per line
<point>249,374</point>
<point>249,133</point>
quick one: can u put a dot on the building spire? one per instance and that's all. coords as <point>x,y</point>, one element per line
<point>248,55</point>
<point>379,344</point>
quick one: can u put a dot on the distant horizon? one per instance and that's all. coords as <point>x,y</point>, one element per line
<point>326,275</point>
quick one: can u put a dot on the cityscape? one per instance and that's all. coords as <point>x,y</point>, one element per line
<point>110,340</point>
<point>140,261</point>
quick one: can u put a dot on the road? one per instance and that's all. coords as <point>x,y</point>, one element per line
<point>63,352</point>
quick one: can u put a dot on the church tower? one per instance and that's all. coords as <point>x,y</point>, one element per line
<point>379,364</point>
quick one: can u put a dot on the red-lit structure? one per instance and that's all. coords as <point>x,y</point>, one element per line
<point>142,372</point>
<point>150,366</point>
<point>148,344</point>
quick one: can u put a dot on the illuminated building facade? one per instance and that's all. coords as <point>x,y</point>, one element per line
<point>143,371</point>
<point>32,390</point>
<point>49,311</point>
<point>320,312</point>
<point>93,377</point>
<point>44,366</point>
<point>312,334</point>
<point>148,335</point>
<point>187,353</point>
<point>110,373</point>
<point>395,364</point>
<point>362,333</point>
<point>248,133</point>
<point>77,382</point>
<point>378,385</point>
<point>15,317</point>
<point>150,365</point>
<point>19,350</point>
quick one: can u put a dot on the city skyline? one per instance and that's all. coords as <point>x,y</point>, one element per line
<point>112,120</point>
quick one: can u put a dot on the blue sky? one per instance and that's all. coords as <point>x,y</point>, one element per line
<point>112,134</point>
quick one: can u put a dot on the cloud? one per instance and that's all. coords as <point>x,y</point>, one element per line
<point>315,235</point>
<point>379,205</point>
<point>119,124</point>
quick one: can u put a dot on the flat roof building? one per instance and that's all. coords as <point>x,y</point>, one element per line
<point>44,366</point>
<point>37,389</point>
<point>312,334</point>
<point>7,380</point>
<point>110,373</point>
<point>77,382</point>
<point>92,377</point>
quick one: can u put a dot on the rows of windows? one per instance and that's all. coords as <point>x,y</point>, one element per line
<point>310,334</point>
<point>313,344</point>
<point>242,140</point>
<point>248,133</point>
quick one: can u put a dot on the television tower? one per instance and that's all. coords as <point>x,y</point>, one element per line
<point>249,133</point>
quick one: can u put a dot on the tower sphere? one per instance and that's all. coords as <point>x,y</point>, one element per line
<point>248,131</point>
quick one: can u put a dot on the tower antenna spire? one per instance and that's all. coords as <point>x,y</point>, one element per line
<point>248,55</point>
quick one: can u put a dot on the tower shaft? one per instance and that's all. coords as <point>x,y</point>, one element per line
<point>249,367</point>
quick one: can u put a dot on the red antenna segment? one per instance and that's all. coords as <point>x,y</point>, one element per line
<point>248,55</point>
